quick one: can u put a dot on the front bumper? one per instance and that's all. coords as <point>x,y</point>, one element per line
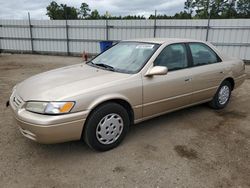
<point>49,129</point>
<point>51,133</point>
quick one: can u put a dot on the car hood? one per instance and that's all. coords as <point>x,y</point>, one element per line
<point>67,82</point>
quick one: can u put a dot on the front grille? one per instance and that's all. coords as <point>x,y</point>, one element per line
<point>17,101</point>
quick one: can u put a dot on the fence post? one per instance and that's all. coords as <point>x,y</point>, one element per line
<point>0,41</point>
<point>208,27</point>
<point>31,35</point>
<point>67,35</point>
<point>155,24</point>
<point>208,20</point>
<point>107,30</point>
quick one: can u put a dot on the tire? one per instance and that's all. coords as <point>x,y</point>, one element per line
<point>218,101</point>
<point>107,121</point>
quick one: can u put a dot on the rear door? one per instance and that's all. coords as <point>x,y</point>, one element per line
<point>207,71</point>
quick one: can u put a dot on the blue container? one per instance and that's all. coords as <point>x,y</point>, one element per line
<point>104,45</point>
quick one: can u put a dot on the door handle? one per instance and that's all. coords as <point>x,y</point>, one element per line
<point>188,79</point>
<point>221,72</point>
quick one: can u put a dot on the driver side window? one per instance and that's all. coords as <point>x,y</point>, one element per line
<point>173,57</point>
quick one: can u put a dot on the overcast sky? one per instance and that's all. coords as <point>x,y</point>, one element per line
<point>17,9</point>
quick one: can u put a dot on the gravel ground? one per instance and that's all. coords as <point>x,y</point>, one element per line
<point>195,147</point>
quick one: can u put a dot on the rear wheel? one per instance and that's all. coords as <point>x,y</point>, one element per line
<point>106,127</point>
<point>222,96</point>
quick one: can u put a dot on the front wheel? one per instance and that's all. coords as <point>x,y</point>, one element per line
<point>106,127</point>
<point>222,96</point>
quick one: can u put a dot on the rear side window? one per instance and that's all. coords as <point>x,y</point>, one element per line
<point>173,57</point>
<point>202,54</point>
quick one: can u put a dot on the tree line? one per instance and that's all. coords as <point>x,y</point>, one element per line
<point>193,9</point>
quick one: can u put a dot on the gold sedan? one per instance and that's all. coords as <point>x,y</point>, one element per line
<point>131,82</point>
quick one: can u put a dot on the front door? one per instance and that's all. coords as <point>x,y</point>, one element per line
<point>163,93</point>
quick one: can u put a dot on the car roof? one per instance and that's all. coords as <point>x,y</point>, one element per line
<point>163,40</point>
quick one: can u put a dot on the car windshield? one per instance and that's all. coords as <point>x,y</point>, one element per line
<point>126,57</point>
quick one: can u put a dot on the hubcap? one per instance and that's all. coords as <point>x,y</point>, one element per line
<point>109,128</point>
<point>224,94</point>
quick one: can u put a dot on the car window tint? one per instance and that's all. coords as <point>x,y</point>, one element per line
<point>173,57</point>
<point>202,54</point>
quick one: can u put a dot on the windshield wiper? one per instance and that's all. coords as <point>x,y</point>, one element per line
<point>108,67</point>
<point>105,66</point>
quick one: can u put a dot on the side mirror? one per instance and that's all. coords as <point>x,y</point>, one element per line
<point>157,70</point>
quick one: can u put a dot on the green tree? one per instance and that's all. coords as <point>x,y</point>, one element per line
<point>69,13</point>
<point>134,17</point>
<point>202,8</point>
<point>84,10</point>
<point>182,15</point>
<point>243,8</point>
<point>217,9</point>
<point>94,15</point>
<point>53,11</point>
<point>115,17</point>
<point>160,16</point>
<point>56,12</point>
<point>228,10</point>
<point>189,6</point>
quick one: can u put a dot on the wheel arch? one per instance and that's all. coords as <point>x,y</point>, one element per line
<point>231,80</point>
<point>124,103</point>
<point>119,100</point>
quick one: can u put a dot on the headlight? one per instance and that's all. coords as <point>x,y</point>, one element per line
<point>49,107</point>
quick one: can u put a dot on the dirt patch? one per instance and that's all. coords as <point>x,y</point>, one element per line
<point>228,118</point>
<point>232,114</point>
<point>184,151</point>
<point>10,67</point>
<point>150,147</point>
<point>119,169</point>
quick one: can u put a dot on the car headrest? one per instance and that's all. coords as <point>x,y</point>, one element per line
<point>204,54</point>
